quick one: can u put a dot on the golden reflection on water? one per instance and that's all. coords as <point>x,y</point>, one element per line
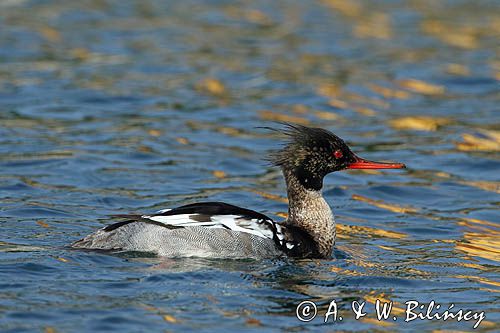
<point>384,205</point>
<point>485,140</point>
<point>422,123</point>
<point>482,239</point>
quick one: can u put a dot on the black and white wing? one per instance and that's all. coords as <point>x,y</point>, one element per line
<point>207,229</point>
<point>213,215</point>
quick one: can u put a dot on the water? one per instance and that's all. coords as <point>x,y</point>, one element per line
<point>112,107</point>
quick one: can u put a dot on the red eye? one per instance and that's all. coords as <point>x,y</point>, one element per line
<point>338,154</point>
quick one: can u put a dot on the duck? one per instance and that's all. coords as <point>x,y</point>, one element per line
<point>222,230</point>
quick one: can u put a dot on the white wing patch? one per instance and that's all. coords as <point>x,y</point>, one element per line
<point>258,227</point>
<point>163,211</point>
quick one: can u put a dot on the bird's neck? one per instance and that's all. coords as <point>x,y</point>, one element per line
<point>309,211</point>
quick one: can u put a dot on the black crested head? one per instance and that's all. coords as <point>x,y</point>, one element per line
<point>311,154</point>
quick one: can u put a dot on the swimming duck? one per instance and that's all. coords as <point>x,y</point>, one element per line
<point>222,230</point>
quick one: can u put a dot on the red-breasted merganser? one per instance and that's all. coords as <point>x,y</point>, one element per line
<point>221,230</point>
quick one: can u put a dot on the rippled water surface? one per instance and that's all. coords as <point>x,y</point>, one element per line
<point>110,107</point>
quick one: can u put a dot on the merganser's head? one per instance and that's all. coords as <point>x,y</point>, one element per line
<point>312,153</point>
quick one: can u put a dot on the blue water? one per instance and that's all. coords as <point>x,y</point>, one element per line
<point>110,107</point>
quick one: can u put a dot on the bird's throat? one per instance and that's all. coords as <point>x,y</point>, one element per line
<point>309,211</point>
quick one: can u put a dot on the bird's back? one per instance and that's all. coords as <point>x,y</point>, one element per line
<point>182,242</point>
